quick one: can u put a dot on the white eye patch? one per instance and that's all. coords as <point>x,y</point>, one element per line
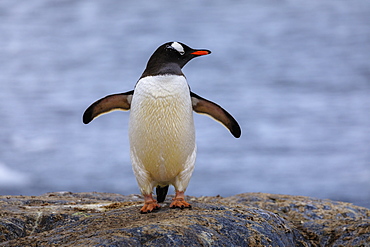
<point>178,47</point>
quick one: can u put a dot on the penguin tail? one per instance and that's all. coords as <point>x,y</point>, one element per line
<point>161,193</point>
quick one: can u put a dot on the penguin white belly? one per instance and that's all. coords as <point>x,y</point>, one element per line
<point>161,132</point>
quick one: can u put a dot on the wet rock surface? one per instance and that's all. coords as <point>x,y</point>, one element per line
<point>251,219</point>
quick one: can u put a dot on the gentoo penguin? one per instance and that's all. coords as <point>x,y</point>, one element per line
<point>161,126</point>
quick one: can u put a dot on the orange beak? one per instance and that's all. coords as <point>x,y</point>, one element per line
<point>201,52</point>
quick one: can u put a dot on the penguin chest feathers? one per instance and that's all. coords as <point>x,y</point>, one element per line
<point>161,126</point>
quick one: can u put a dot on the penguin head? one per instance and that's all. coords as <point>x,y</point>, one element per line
<point>180,53</point>
<point>172,56</point>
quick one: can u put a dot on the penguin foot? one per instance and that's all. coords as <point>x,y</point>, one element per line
<point>149,205</point>
<point>179,201</point>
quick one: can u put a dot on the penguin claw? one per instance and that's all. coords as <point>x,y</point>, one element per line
<point>180,203</point>
<point>149,207</point>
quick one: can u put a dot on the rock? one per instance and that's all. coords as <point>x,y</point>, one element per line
<point>251,219</point>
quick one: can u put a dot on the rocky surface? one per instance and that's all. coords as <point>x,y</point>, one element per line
<point>251,219</point>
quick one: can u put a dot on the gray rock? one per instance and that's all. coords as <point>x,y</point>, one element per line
<point>252,219</point>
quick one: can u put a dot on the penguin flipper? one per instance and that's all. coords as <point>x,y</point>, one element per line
<point>121,101</point>
<point>203,106</point>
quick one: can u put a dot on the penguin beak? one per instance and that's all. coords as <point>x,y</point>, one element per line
<point>201,52</point>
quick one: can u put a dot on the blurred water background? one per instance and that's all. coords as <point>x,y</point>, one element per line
<point>295,74</point>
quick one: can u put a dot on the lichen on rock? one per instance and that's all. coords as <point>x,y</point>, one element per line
<point>251,219</point>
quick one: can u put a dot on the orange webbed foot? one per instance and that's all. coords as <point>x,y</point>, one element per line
<point>179,201</point>
<point>149,205</point>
